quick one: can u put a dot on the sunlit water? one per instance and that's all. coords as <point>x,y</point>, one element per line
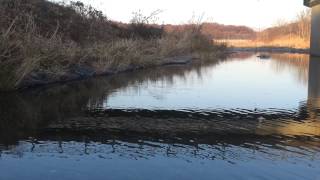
<point>248,83</point>
<point>238,118</point>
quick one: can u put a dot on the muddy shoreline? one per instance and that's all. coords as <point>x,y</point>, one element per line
<point>81,72</point>
<point>269,50</point>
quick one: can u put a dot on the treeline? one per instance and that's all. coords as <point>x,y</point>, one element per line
<point>299,28</point>
<point>219,31</point>
<point>285,34</point>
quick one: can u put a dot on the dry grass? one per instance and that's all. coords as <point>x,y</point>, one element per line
<point>120,54</point>
<point>125,53</point>
<point>23,52</point>
<point>42,37</point>
<point>26,51</point>
<point>281,42</point>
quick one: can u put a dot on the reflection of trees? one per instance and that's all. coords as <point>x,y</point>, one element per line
<point>22,112</point>
<point>66,107</point>
<point>220,134</point>
<point>297,64</point>
<point>242,55</point>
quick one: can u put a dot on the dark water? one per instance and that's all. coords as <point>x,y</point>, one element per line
<point>237,118</point>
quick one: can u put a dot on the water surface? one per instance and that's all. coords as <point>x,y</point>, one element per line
<point>237,118</point>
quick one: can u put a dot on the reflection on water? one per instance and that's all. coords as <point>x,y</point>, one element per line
<point>297,64</point>
<point>238,118</point>
<point>237,83</point>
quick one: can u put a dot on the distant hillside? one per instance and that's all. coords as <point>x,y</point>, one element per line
<point>292,34</point>
<point>219,31</point>
<point>300,28</point>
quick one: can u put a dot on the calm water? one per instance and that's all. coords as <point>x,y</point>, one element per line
<point>237,118</point>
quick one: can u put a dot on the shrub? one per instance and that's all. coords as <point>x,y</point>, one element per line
<point>38,36</point>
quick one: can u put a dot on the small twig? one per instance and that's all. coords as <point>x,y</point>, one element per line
<point>56,30</point>
<point>10,27</point>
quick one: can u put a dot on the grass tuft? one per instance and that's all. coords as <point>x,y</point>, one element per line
<point>39,37</point>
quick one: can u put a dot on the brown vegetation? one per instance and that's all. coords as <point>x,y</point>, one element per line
<point>219,31</point>
<point>43,42</point>
<point>294,34</point>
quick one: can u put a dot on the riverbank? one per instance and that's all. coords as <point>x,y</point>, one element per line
<point>80,72</point>
<point>42,42</point>
<point>269,50</point>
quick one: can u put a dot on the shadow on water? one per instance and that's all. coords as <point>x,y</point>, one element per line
<point>79,106</point>
<point>75,119</point>
<point>34,108</point>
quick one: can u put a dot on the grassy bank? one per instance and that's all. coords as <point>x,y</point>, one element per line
<point>43,42</point>
<point>293,42</point>
<point>285,34</point>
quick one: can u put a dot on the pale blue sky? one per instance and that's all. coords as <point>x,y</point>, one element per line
<point>253,13</point>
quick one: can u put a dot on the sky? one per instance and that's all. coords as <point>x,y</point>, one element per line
<point>258,14</point>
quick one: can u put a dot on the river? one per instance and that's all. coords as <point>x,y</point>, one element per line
<point>242,117</point>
